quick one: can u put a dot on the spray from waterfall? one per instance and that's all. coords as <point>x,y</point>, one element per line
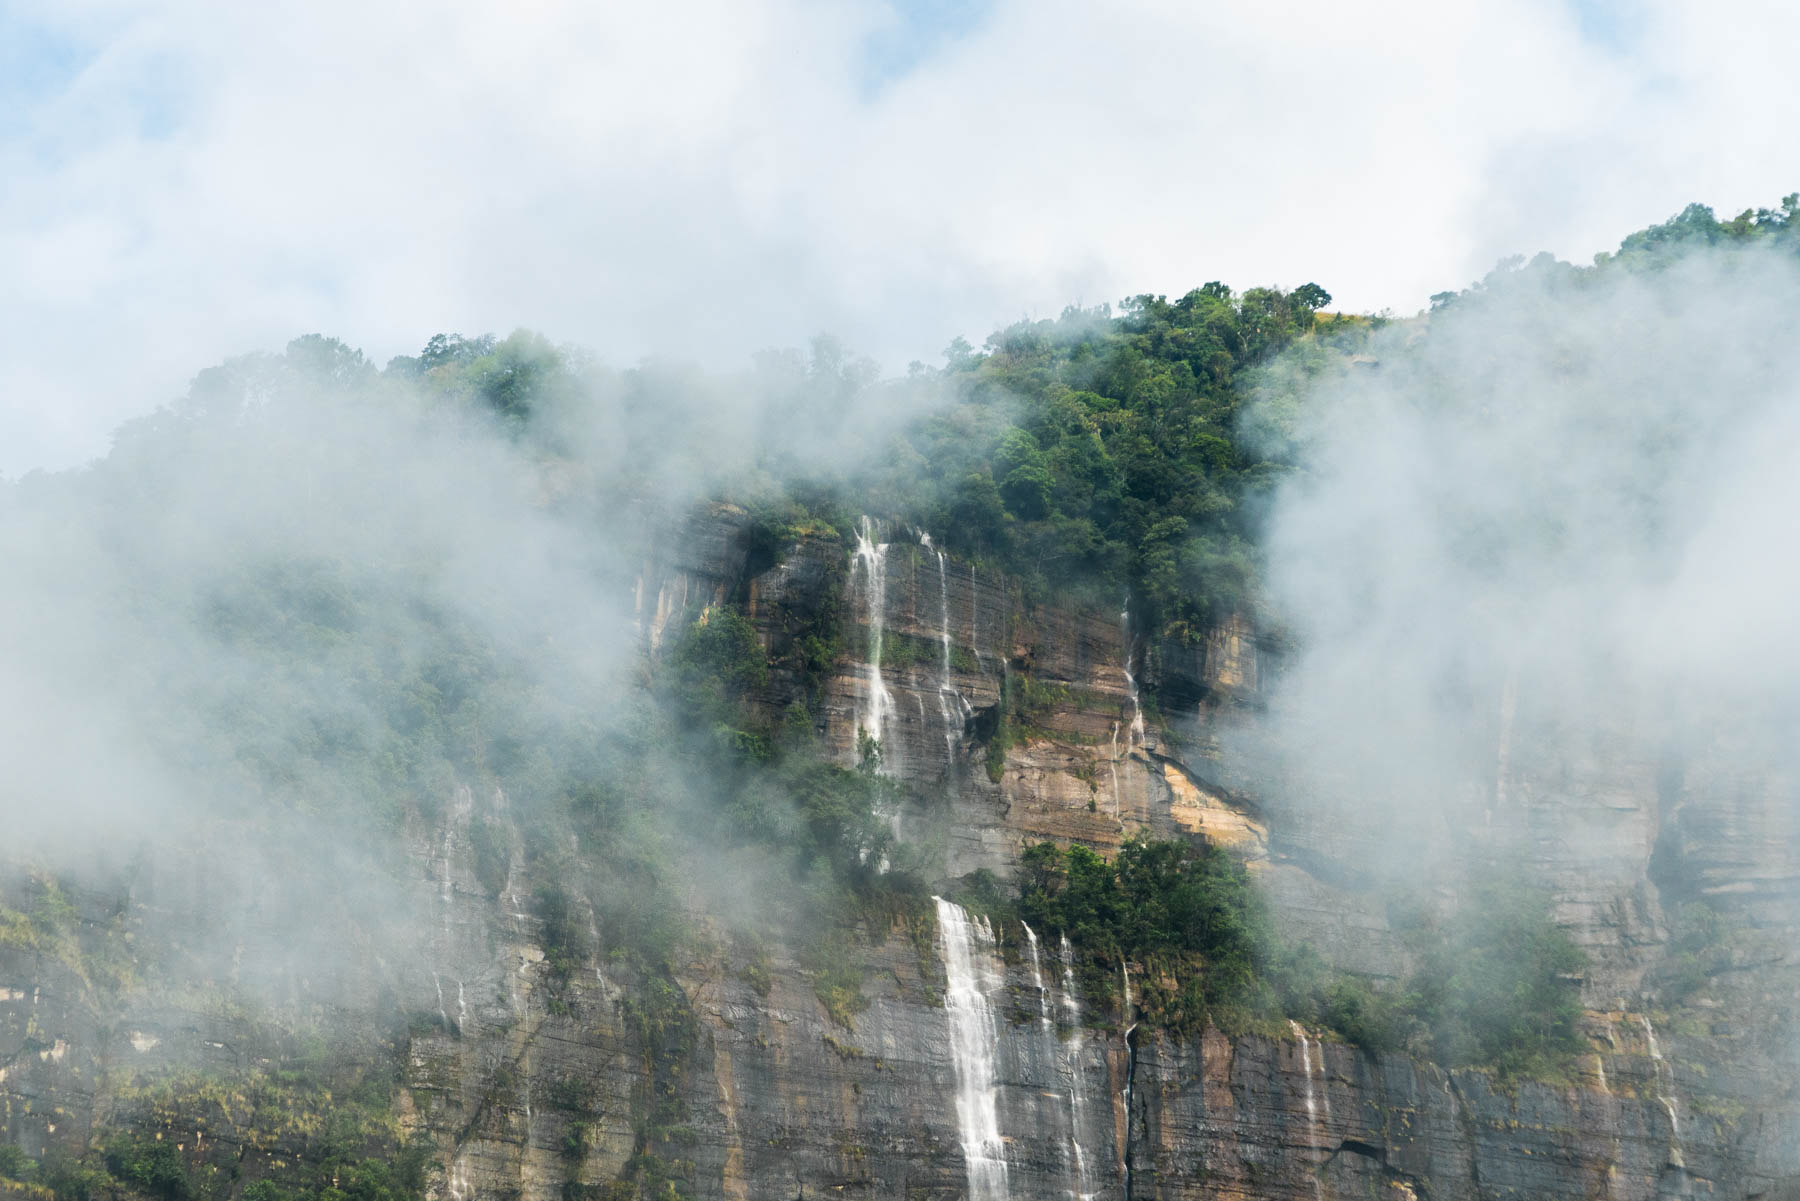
<point>973,975</point>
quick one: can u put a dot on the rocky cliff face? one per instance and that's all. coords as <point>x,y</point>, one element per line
<point>979,1068</point>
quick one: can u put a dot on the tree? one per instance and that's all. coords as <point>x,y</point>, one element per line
<point>1309,297</point>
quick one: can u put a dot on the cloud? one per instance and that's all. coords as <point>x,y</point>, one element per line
<point>707,179</point>
<point>1535,556</point>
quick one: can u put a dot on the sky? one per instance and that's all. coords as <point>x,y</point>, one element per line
<point>182,181</point>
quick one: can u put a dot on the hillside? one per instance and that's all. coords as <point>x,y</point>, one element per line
<point>1217,749</point>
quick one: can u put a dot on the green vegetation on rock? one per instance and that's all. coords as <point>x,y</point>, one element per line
<point>1497,983</point>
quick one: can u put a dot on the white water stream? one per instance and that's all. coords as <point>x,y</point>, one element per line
<point>1070,1068</point>
<point>1313,1092</point>
<point>1037,981</point>
<point>952,706</point>
<point>973,975</point>
<point>1137,707</point>
<point>868,580</point>
<point>1312,1059</point>
<point>1665,1087</point>
<point>1077,1110</point>
<point>1130,1025</point>
<point>975,630</point>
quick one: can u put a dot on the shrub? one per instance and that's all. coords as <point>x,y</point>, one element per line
<point>151,1164</point>
<point>15,1164</point>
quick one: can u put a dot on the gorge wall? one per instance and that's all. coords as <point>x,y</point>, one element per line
<point>978,1067</point>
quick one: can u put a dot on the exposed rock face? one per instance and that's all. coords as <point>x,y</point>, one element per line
<point>1228,1118</point>
<point>536,1087</point>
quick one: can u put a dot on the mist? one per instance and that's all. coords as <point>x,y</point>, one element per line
<point>1536,546</point>
<point>259,651</point>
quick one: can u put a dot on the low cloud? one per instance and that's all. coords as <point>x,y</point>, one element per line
<point>1541,536</point>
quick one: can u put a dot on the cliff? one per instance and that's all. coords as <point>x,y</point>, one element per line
<point>978,1066</point>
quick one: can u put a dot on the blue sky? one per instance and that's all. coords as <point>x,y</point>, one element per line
<point>35,62</point>
<point>920,29</point>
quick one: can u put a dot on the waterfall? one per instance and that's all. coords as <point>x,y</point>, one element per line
<point>975,630</point>
<point>462,805</point>
<point>1137,707</point>
<point>944,687</point>
<point>1136,735</point>
<point>1037,981</point>
<point>973,975</point>
<point>594,935</point>
<point>1665,1088</point>
<point>1077,1110</point>
<point>875,707</point>
<point>1313,1071</point>
<point>1312,1093</point>
<point>460,1185</point>
<point>1136,704</point>
<point>1112,765</point>
<point>1070,1068</point>
<point>1137,710</point>
<point>953,708</point>
<point>1130,1070</point>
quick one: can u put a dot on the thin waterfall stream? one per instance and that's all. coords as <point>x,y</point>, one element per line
<point>1313,1093</point>
<point>1067,1067</point>
<point>1665,1089</point>
<point>1137,704</point>
<point>1077,1109</point>
<point>1130,1026</point>
<point>952,705</point>
<point>868,577</point>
